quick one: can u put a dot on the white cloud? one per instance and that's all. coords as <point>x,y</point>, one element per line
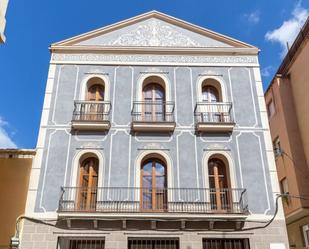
<point>253,17</point>
<point>289,29</point>
<point>267,71</point>
<point>5,140</point>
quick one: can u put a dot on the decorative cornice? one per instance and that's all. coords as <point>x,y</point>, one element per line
<point>143,58</point>
<point>153,50</point>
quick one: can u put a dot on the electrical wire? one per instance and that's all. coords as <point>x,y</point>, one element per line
<point>47,222</point>
<point>305,174</point>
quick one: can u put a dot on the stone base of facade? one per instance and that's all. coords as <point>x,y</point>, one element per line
<point>115,236</point>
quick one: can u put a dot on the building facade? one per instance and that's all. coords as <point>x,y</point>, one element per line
<point>287,101</point>
<point>15,167</point>
<point>154,134</point>
<point>3,7</point>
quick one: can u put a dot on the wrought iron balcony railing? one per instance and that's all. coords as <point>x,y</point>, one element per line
<point>141,200</point>
<point>216,112</point>
<point>91,111</point>
<point>153,111</point>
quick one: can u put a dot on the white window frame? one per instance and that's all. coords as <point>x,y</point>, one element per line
<point>305,230</point>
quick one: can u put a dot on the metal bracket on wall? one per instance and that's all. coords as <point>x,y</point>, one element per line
<point>153,224</point>
<point>68,223</point>
<point>124,224</point>
<point>211,225</point>
<point>95,224</point>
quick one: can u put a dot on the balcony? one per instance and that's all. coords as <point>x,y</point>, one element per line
<point>153,116</point>
<point>213,117</point>
<point>91,115</point>
<point>147,200</point>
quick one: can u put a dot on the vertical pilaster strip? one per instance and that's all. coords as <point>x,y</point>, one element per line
<point>37,162</point>
<point>267,139</point>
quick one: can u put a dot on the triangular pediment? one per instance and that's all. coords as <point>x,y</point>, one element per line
<point>153,32</point>
<point>153,29</point>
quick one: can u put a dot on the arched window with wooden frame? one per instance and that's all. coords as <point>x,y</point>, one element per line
<point>153,102</point>
<point>212,108</point>
<point>219,184</point>
<point>153,185</point>
<point>210,94</point>
<point>94,106</point>
<point>211,91</point>
<point>88,183</point>
<point>95,93</point>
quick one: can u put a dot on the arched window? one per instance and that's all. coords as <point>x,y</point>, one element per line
<point>210,94</point>
<point>88,183</point>
<point>154,102</point>
<point>93,109</point>
<point>212,110</point>
<point>96,93</point>
<point>95,89</point>
<point>153,185</point>
<point>219,183</point>
<point>211,90</point>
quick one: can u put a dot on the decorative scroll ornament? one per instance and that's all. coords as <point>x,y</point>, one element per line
<point>155,34</point>
<point>217,146</point>
<point>153,146</point>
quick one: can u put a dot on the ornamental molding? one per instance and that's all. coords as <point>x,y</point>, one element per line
<point>155,34</point>
<point>153,146</point>
<point>140,59</point>
<point>217,147</point>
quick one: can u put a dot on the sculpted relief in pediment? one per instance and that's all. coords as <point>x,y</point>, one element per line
<point>154,33</point>
<point>153,29</point>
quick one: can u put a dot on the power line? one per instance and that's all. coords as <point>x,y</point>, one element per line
<point>41,221</point>
<point>305,174</point>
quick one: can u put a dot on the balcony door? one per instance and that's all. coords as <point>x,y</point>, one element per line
<point>94,111</point>
<point>96,93</point>
<point>153,103</point>
<point>210,94</point>
<point>153,186</point>
<point>211,112</point>
<point>220,196</point>
<point>88,183</point>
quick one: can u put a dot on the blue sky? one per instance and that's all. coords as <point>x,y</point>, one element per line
<point>33,25</point>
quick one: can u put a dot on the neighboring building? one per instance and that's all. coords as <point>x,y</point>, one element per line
<point>3,7</point>
<point>154,134</point>
<point>15,167</point>
<point>287,100</point>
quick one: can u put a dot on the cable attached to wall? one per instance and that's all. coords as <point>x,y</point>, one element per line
<point>15,240</point>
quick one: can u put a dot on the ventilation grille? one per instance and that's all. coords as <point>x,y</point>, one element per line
<point>226,244</point>
<point>81,243</point>
<point>158,243</point>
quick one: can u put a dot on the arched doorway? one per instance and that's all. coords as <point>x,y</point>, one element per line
<point>219,184</point>
<point>154,102</point>
<point>94,106</point>
<point>88,184</point>
<point>210,99</point>
<point>153,185</point>
<point>95,92</point>
<point>210,94</point>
